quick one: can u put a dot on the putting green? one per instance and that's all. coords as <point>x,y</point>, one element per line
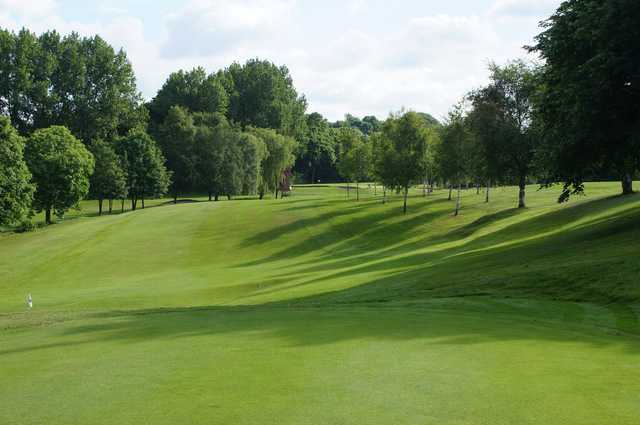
<point>321,310</point>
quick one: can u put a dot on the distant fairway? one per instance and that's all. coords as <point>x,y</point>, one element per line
<point>321,310</point>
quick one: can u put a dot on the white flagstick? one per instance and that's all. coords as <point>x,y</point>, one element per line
<point>30,301</point>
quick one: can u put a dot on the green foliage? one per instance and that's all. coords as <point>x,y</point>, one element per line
<point>176,137</point>
<point>192,90</point>
<point>61,167</point>
<point>456,151</point>
<point>144,167</point>
<point>108,180</point>
<point>316,155</point>
<point>590,104</point>
<point>262,94</point>
<point>254,151</point>
<point>80,83</point>
<point>402,152</point>
<point>16,190</point>
<point>279,156</point>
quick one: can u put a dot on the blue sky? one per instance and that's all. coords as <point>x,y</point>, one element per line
<point>350,56</point>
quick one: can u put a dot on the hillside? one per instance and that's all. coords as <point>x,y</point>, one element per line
<point>217,310</point>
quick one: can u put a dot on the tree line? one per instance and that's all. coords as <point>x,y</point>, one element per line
<point>74,125</point>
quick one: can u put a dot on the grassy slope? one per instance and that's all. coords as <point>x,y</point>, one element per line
<point>315,309</point>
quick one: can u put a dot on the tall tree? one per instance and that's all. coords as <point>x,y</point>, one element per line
<point>356,163</point>
<point>144,167</point>
<point>262,94</point>
<point>176,137</point>
<point>316,154</point>
<point>405,152</point>
<point>192,90</point>
<point>456,154</point>
<point>513,89</point>
<point>591,101</point>
<point>108,180</point>
<point>278,158</point>
<point>16,190</point>
<point>81,83</point>
<point>61,167</point>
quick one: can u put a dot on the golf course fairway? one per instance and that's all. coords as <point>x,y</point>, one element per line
<point>318,309</point>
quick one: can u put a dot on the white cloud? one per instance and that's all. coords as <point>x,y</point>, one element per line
<point>211,26</point>
<point>27,8</point>
<point>524,8</point>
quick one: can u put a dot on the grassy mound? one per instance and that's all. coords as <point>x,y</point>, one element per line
<point>318,309</point>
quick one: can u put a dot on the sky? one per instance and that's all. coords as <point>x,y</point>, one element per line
<point>363,57</point>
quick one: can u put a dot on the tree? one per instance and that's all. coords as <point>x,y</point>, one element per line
<point>489,130</point>
<point>144,167</point>
<point>317,151</point>
<point>356,163</point>
<point>404,153</point>
<point>346,139</point>
<point>512,124</point>
<point>176,137</point>
<point>278,158</point>
<point>456,153</point>
<point>108,180</point>
<point>590,105</point>
<point>262,94</point>
<point>209,148</point>
<point>81,83</point>
<point>253,151</point>
<point>16,190</point>
<point>61,167</point>
<point>192,90</point>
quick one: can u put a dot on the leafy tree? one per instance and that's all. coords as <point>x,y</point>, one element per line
<point>209,149</point>
<point>192,90</point>
<point>278,158</point>
<point>108,180</point>
<point>456,153</point>
<point>262,94</point>
<point>510,98</point>
<point>144,167</point>
<point>490,132</point>
<point>356,163</point>
<point>61,167</point>
<point>16,190</point>
<point>346,140</point>
<point>254,151</point>
<point>176,138</point>
<point>317,151</point>
<point>590,105</point>
<point>403,153</point>
<point>81,83</point>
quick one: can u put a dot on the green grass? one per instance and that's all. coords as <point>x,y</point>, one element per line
<point>321,310</point>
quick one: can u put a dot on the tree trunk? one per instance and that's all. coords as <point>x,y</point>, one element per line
<point>348,189</point>
<point>133,203</point>
<point>110,205</point>
<point>100,206</point>
<point>47,216</point>
<point>424,187</point>
<point>357,191</point>
<point>477,188</point>
<point>521,193</point>
<point>175,198</point>
<point>450,191</point>
<point>142,199</point>
<point>430,188</point>
<point>384,194</point>
<point>458,201</point>
<point>276,193</point>
<point>122,206</point>
<point>261,194</point>
<point>406,193</point>
<point>215,197</point>
<point>209,193</point>
<point>486,195</point>
<point>627,184</point>
<point>375,189</point>
<point>228,197</point>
